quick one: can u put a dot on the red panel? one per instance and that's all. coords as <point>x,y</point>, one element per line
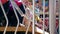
<point>18,3</point>
<point>4,1</point>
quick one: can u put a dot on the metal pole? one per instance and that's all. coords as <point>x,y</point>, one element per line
<point>5,17</point>
<point>21,13</point>
<point>59,20</point>
<point>43,16</point>
<point>59,15</point>
<point>16,17</point>
<point>52,16</point>
<point>33,24</point>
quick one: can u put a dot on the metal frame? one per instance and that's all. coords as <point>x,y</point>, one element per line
<point>16,17</point>
<point>52,16</point>
<point>59,15</point>
<point>59,21</point>
<point>21,13</point>
<point>43,16</point>
<point>33,24</point>
<point>5,17</point>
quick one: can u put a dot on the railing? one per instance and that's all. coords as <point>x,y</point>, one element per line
<point>22,27</point>
<point>5,17</point>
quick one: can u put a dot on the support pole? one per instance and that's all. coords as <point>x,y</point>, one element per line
<point>59,20</point>
<point>52,16</point>
<point>59,16</point>
<point>16,17</point>
<point>5,17</point>
<point>43,16</point>
<point>33,24</point>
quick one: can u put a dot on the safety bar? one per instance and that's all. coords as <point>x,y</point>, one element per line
<point>43,16</point>
<point>21,13</point>
<point>52,16</point>
<point>33,24</point>
<point>16,16</point>
<point>59,15</point>
<point>5,17</point>
<point>19,10</point>
<point>16,6</point>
